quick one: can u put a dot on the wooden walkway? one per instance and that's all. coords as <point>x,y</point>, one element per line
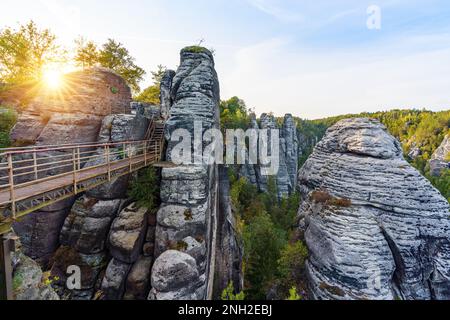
<point>33,178</point>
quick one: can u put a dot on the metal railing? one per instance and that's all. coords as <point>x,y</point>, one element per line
<point>31,171</point>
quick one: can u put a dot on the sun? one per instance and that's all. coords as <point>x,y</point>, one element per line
<point>53,78</point>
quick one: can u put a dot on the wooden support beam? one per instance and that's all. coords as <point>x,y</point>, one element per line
<point>6,287</point>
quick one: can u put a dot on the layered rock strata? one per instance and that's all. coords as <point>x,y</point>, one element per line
<point>375,228</point>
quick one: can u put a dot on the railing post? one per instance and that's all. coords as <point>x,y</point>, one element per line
<point>79,158</point>
<point>35,165</point>
<point>74,160</point>
<point>12,194</point>
<point>129,157</point>
<point>108,162</point>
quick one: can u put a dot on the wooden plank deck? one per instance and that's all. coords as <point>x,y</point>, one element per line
<point>26,191</point>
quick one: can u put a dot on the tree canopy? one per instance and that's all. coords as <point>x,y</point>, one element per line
<point>151,94</point>
<point>112,55</point>
<point>24,53</point>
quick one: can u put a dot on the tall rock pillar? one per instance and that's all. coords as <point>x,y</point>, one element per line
<point>187,218</point>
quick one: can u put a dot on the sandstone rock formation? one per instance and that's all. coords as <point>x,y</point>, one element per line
<point>375,228</point>
<point>441,158</point>
<point>72,115</point>
<point>165,96</point>
<point>229,251</point>
<point>286,178</point>
<point>104,222</point>
<point>175,276</point>
<point>127,234</point>
<point>187,216</point>
<point>29,280</point>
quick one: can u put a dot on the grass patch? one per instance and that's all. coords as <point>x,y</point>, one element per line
<point>196,49</point>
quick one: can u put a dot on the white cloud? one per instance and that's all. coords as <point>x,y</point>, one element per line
<point>270,77</point>
<point>275,9</point>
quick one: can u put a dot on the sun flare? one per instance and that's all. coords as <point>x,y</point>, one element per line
<point>53,78</point>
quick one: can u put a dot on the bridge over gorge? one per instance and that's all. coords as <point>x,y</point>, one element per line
<point>34,177</point>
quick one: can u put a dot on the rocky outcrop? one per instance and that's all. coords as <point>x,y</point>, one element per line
<point>187,216</point>
<point>165,95</point>
<point>375,228</point>
<point>286,177</point>
<point>87,226</point>
<point>104,222</point>
<point>74,114</point>
<point>175,276</point>
<point>441,158</point>
<point>128,233</point>
<point>138,280</point>
<point>229,252</point>
<point>289,146</point>
<point>29,281</point>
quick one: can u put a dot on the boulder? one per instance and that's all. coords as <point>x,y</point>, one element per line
<point>128,233</point>
<point>375,228</point>
<point>87,226</point>
<point>28,280</point>
<point>113,284</point>
<point>138,280</point>
<point>175,275</point>
<point>39,233</point>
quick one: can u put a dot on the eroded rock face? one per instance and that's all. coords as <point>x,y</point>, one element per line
<point>441,158</point>
<point>73,115</point>
<point>28,280</point>
<point>286,177</point>
<point>188,192</point>
<point>39,233</point>
<point>138,280</point>
<point>289,146</point>
<point>175,277</point>
<point>88,223</point>
<point>229,252</point>
<point>375,228</point>
<point>165,97</point>
<point>127,234</point>
<point>113,284</point>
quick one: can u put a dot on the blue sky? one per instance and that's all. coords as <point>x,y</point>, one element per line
<point>308,58</point>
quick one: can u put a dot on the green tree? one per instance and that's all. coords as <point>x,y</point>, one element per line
<point>234,114</point>
<point>144,189</point>
<point>8,118</point>
<point>113,55</point>
<point>152,93</point>
<point>229,295</point>
<point>158,74</point>
<point>87,53</point>
<point>149,95</point>
<point>25,52</point>
<point>262,245</point>
<point>292,263</point>
<point>293,295</point>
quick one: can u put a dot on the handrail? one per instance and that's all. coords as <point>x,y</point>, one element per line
<point>24,168</point>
